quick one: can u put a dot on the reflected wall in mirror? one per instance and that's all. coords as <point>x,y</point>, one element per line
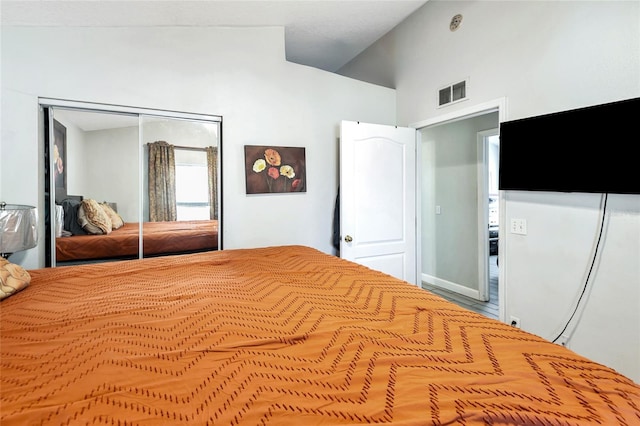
<point>104,209</point>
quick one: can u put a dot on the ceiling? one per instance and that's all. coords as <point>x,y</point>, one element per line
<point>323,34</point>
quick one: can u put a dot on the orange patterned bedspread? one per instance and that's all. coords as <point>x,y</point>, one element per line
<point>279,336</point>
<point>158,238</point>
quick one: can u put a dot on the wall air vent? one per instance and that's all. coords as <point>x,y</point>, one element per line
<point>453,93</point>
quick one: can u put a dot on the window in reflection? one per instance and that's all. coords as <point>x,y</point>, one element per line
<point>192,188</point>
<point>181,157</point>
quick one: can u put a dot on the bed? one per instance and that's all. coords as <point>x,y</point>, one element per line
<point>282,335</point>
<point>160,238</point>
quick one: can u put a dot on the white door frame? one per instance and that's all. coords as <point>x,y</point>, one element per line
<point>483,211</point>
<point>499,105</point>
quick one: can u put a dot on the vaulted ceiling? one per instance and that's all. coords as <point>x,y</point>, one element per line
<point>323,34</point>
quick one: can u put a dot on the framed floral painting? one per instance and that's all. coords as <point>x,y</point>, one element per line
<point>60,160</point>
<point>274,169</point>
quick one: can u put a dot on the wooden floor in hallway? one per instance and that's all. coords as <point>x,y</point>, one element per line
<point>489,308</point>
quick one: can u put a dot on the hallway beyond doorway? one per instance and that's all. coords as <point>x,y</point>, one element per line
<point>490,308</point>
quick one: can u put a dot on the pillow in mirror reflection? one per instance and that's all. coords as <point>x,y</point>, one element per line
<point>116,219</point>
<point>92,218</point>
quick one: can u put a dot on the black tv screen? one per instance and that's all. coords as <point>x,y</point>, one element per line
<point>591,149</point>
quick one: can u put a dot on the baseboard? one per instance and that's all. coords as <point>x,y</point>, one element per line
<point>451,286</point>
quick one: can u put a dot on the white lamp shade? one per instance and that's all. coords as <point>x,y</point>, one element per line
<point>18,228</point>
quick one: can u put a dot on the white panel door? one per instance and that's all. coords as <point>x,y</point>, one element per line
<point>378,197</point>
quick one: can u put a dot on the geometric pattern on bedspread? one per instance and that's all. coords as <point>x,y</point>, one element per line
<point>281,336</point>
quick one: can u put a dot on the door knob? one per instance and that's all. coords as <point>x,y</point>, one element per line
<point>348,238</point>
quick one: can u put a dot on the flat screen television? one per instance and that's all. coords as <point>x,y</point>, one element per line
<point>592,149</point>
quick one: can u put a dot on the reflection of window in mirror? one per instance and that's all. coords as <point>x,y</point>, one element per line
<point>192,189</point>
<point>186,150</point>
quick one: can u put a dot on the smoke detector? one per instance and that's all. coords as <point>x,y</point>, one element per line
<point>455,22</point>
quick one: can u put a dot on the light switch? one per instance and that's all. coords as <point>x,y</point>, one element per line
<point>437,209</point>
<point>519,226</point>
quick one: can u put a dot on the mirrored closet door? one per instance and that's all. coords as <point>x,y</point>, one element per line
<point>124,183</point>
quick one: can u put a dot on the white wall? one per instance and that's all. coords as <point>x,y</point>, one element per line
<point>542,57</point>
<point>111,169</point>
<point>237,73</point>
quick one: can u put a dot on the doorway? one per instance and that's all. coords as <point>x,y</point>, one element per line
<point>455,213</point>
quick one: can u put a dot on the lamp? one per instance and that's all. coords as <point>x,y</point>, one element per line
<point>18,228</point>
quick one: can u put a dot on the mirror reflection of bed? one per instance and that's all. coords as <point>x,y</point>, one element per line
<point>130,175</point>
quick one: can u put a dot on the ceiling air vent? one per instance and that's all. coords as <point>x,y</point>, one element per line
<point>453,93</point>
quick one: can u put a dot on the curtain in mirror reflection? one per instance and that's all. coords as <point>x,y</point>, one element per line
<point>182,182</point>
